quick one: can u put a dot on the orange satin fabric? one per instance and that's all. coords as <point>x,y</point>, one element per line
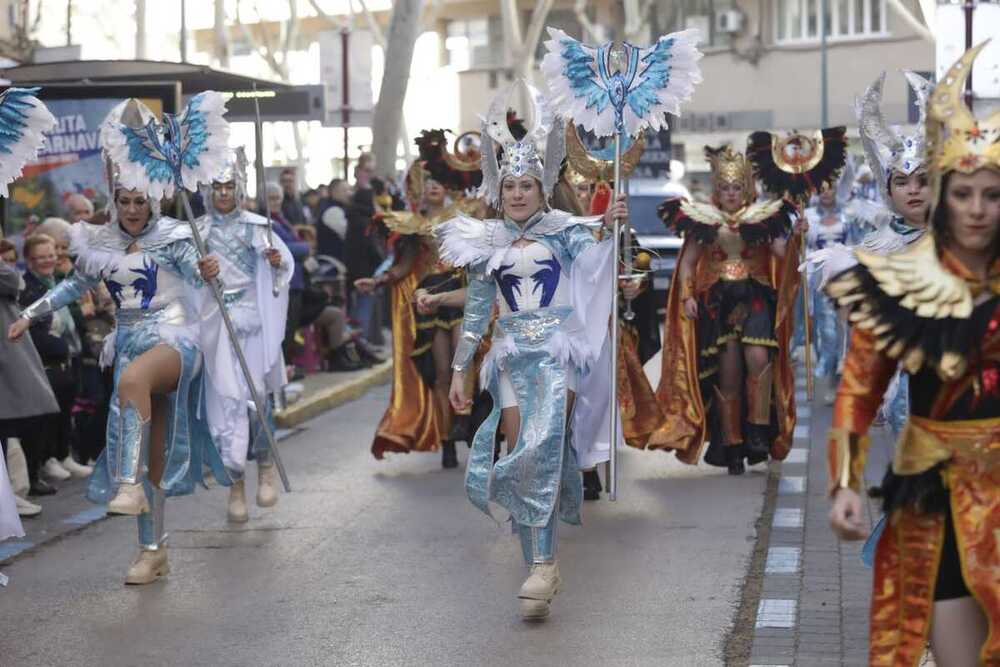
<point>640,411</point>
<point>906,563</point>
<point>684,429</point>
<point>975,507</point>
<point>413,420</point>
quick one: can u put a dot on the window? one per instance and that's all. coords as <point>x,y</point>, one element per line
<point>469,43</point>
<point>671,15</point>
<point>800,21</point>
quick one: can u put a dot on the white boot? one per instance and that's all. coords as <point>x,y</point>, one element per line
<point>267,488</point>
<point>148,566</point>
<point>538,590</point>
<point>27,508</point>
<point>130,499</point>
<point>53,470</point>
<point>77,470</point>
<point>237,511</point>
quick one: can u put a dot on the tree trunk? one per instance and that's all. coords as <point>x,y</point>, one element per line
<point>221,37</point>
<point>140,29</point>
<point>404,28</point>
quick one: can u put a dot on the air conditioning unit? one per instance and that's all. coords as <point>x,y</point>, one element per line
<point>701,23</point>
<point>729,21</point>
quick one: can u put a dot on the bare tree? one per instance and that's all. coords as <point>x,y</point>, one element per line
<point>140,29</point>
<point>404,28</point>
<point>275,52</point>
<point>22,42</point>
<point>636,23</point>
<point>522,44</point>
<point>221,37</point>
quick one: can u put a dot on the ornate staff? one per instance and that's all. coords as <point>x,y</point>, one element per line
<point>796,166</point>
<point>176,155</point>
<point>619,89</point>
<point>258,135</point>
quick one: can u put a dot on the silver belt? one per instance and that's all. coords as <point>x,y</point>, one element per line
<point>172,313</point>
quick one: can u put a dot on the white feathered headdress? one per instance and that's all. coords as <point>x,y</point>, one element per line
<point>525,156</point>
<point>23,119</point>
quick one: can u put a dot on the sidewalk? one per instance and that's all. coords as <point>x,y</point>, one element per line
<point>816,591</point>
<point>68,511</point>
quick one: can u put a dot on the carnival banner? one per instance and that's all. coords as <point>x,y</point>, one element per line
<point>69,162</point>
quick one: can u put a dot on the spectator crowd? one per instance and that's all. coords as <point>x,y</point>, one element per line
<point>53,417</point>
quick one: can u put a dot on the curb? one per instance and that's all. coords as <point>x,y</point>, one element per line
<point>330,398</point>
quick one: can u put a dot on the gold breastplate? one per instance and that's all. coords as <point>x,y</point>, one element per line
<point>731,259</point>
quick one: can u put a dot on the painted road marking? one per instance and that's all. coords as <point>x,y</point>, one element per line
<point>783,560</point>
<point>776,613</point>
<point>798,455</point>
<point>787,517</point>
<point>789,486</point>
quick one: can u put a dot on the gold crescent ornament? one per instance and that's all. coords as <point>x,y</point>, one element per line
<point>596,170</point>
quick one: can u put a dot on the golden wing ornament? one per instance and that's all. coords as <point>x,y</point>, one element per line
<point>917,278</point>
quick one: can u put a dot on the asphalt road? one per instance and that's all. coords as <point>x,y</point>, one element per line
<point>387,563</point>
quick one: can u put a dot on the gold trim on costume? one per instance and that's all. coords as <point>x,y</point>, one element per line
<point>926,442</point>
<point>849,450</point>
<point>918,278</point>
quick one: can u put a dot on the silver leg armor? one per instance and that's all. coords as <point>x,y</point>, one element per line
<point>128,465</point>
<point>538,545</point>
<point>152,532</point>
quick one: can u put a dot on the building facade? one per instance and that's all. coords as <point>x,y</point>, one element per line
<point>762,64</point>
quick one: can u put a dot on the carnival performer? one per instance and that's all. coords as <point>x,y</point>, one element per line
<point>831,222</point>
<point>413,419</point>
<point>729,314</point>
<point>542,269</point>
<point>639,337</point>
<point>932,308</point>
<point>447,177</point>
<point>896,155</point>
<point>255,270</point>
<point>157,442</point>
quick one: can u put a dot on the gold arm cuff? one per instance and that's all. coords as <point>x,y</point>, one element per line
<point>847,451</point>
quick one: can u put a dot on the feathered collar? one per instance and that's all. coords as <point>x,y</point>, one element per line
<point>237,215</point>
<point>469,241</point>
<point>98,247</point>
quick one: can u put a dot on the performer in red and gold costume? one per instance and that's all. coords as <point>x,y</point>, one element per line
<point>726,371</point>
<point>932,308</point>
<point>424,339</point>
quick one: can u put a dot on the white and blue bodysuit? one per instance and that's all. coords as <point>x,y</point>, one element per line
<point>239,241</point>
<point>157,289</point>
<point>828,228</point>
<point>549,279</point>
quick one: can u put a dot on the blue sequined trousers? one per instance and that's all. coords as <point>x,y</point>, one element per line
<point>828,336</point>
<point>260,448</point>
<point>189,445</point>
<point>540,477</point>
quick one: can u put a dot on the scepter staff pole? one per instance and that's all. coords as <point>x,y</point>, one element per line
<point>806,319</point>
<point>216,289</point>
<point>258,132</point>
<point>612,470</point>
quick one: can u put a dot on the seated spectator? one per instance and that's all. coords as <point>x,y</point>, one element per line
<point>300,253</point>
<point>78,208</point>
<point>291,206</point>
<point>332,228</point>
<point>312,204</point>
<point>28,400</point>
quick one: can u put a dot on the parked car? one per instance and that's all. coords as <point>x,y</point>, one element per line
<point>651,233</point>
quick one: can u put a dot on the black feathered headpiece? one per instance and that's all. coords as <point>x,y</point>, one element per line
<point>798,164</point>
